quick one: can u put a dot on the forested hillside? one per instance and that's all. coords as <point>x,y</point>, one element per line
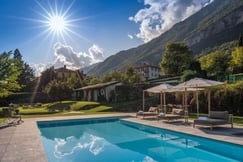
<point>215,24</point>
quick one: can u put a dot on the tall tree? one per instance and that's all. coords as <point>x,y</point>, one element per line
<point>9,72</point>
<point>17,55</point>
<point>176,58</point>
<point>26,77</point>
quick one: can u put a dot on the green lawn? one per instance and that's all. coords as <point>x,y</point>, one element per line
<point>68,108</point>
<point>1,120</point>
<point>64,108</point>
<point>58,107</point>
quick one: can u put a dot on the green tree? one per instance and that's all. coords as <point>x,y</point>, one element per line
<point>176,58</point>
<point>113,76</point>
<point>237,60</point>
<point>9,72</point>
<point>58,90</point>
<point>26,78</point>
<point>46,76</point>
<point>131,76</point>
<point>73,82</point>
<point>94,80</point>
<point>215,63</point>
<point>17,55</point>
<point>189,74</point>
<point>236,64</point>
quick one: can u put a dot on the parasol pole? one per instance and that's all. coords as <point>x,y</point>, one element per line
<point>197,104</point>
<point>161,100</point>
<point>186,111</point>
<point>164,104</point>
<point>209,101</point>
<point>143,99</point>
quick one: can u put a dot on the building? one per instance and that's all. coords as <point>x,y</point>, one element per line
<point>97,92</point>
<point>63,72</point>
<point>149,71</point>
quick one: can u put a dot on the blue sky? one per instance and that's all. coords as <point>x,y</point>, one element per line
<point>93,30</point>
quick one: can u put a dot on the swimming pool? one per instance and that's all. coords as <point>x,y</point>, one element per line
<point>112,139</point>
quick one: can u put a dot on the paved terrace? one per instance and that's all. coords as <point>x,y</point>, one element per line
<point>22,143</point>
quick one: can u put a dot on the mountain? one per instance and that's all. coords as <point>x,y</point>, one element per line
<point>86,69</point>
<point>215,24</point>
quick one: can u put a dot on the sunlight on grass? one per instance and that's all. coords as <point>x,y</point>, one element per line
<point>99,109</point>
<point>79,105</point>
<point>64,108</point>
<point>34,109</point>
<point>2,120</point>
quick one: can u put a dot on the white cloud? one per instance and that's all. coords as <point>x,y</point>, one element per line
<point>38,68</point>
<point>65,55</point>
<point>130,36</point>
<point>96,53</point>
<point>87,142</point>
<point>158,16</point>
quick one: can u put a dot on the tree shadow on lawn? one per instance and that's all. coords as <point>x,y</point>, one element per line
<point>59,106</point>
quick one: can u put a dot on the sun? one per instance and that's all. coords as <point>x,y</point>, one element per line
<point>57,23</point>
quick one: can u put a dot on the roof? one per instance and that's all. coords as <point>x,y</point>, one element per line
<point>146,65</point>
<point>159,88</point>
<point>199,82</point>
<point>100,85</point>
<point>62,69</point>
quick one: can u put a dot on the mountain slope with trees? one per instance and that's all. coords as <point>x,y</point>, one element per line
<point>217,23</point>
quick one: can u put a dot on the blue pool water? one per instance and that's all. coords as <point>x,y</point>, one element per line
<point>114,140</point>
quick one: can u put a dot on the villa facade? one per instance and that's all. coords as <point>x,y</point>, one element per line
<point>97,92</point>
<point>149,71</point>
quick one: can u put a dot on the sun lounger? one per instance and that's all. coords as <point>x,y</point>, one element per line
<point>12,118</point>
<point>215,118</point>
<point>175,115</point>
<point>153,111</point>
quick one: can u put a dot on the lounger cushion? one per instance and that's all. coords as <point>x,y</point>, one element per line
<point>210,121</point>
<point>152,112</point>
<point>219,115</point>
<point>152,109</point>
<point>140,112</point>
<point>178,111</point>
<point>161,114</point>
<point>215,118</point>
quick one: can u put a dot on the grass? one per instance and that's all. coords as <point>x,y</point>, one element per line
<point>64,108</point>
<point>1,120</point>
<point>238,120</point>
<point>58,107</point>
<point>70,108</point>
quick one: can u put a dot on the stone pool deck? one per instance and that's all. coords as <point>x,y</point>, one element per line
<point>22,143</point>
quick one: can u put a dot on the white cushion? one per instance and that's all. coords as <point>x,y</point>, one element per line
<point>161,114</point>
<point>140,112</point>
<point>203,118</point>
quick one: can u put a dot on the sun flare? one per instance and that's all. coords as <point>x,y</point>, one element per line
<point>57,23</point>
